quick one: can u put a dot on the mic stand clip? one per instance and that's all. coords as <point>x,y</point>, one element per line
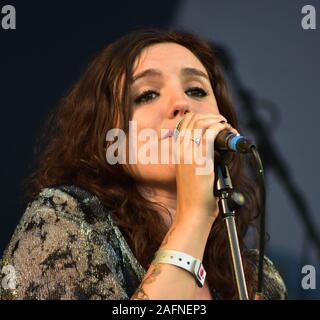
<point>229,200</point>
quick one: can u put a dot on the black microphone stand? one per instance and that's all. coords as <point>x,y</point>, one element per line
<point>227,204</point>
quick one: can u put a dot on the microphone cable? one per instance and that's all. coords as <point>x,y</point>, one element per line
<point>262,226</point>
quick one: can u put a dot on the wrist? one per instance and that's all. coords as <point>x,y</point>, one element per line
<point>195,218</point>
<point>184,261</point>
<point>188,237</point>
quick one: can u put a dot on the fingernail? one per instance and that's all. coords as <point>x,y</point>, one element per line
<point>177,129</point>
<point>178,125</point>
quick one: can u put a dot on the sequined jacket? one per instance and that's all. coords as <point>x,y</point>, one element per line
<point>67,246</point>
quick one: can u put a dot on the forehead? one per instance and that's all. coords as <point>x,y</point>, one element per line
<point>167,56</point>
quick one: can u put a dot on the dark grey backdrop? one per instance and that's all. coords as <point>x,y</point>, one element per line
<point>276,59</point>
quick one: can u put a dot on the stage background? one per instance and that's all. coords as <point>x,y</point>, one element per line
<point>276,60</point>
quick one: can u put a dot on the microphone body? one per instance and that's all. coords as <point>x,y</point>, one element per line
<point>228,141</point>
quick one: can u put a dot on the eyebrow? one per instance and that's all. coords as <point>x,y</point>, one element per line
<point>147,73</point>
<point>194,72</point>
<point>157,73</point>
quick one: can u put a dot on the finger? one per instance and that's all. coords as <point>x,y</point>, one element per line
<point>195,117</point>
<point>205,123</point>
<point>184,121</point>
<point>215,129</point>
<point>204,116</point>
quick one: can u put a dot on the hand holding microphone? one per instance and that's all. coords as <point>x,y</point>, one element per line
<point>195,199</point>
<point>227,140</point>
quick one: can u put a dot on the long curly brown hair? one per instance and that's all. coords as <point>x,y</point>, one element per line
<point>72,149</point>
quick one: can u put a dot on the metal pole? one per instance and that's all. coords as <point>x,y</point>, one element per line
<point>224,188</point>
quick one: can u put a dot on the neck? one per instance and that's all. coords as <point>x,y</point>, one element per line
<point>165,196</point>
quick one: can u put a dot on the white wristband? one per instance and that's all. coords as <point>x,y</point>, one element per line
<point>184,261</point>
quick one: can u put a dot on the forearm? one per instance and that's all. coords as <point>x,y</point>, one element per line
<point>166,281</point>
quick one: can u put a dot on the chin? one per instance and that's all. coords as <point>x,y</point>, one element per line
<point>164,174</point>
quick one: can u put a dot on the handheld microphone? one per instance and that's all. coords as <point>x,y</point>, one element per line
<point>228,141</point>
<point>225,140</point>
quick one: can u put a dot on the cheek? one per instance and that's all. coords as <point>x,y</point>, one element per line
<point>207,106</point>
<point>212,106</point>
<point>146,118</point>
<point>215,105</point>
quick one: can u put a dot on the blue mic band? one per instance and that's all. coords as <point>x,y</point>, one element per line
<point>234,141</point>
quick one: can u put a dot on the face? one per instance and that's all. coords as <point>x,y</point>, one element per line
<point>169,80</point>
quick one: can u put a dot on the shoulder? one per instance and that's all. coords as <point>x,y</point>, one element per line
<point>274,287</point>
<point>67,207</point>
<point>69,204</point>
<point>74,201</point>
<point>61,248</point>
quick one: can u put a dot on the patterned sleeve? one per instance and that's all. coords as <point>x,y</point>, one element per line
<point>274,287</point>
<point>50,256</point>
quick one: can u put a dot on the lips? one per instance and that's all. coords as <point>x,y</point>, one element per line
<point>167,133</point>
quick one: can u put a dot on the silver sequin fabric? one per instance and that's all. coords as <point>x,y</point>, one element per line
<point>66,246</point>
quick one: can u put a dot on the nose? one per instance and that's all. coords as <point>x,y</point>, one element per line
<point>178,106</point>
